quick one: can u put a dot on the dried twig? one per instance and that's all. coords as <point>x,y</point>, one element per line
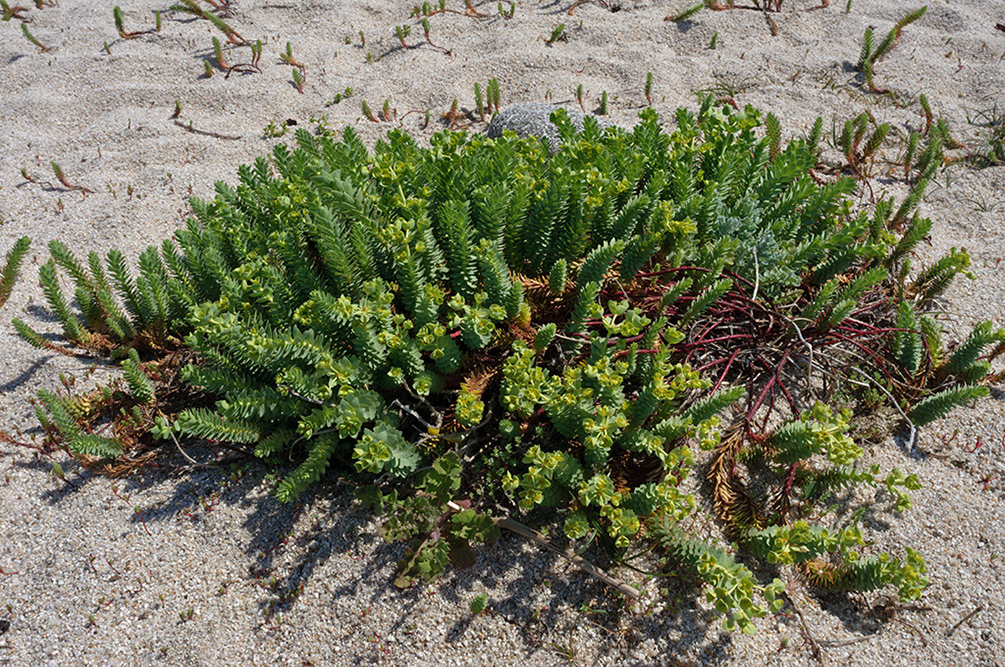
<point>818,652</point>
<point>206,133</point>
<point>966,618</point>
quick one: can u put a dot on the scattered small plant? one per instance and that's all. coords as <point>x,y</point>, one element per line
<point>299,79</point>
<point>218,54</point>
<point>367,112</point>
<point>872,53</point>
<point>926,109</point>
<point>388,114</point>
<point>12,267</point>
<point>61,177</point>
<point>12,12</point>
<point>649,88</point>
<point>479,603</point>
<point>469,9</point>
<point>339,97</point>
<point>120,27</point>
<point>479,102</point>
<point>602,109</point>
<point>403,31</point>
<point>42,48</point>
<point>454,117</point>
<point>274,131</point>
<point>492,95</point>
<point>287,57</point>
<point>506,14</point>
<point>425,30</point>
<point>685,14</point>
<point>192,7</point>
<point>857,149</point>
<point>557,33</point>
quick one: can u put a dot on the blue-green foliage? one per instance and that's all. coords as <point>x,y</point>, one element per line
<point>342,303</point>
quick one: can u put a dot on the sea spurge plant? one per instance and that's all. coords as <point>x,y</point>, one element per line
<point>590,314</point>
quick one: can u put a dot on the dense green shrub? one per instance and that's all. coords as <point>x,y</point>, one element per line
<point>423,315</point>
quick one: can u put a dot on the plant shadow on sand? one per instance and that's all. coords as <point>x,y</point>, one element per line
<point>290,544</point>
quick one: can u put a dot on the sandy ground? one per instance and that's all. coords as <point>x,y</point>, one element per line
<point>190,567</point>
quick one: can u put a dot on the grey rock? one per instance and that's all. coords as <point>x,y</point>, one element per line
<point>534,119</point>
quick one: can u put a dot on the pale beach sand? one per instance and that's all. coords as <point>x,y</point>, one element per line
<point>106,572</point>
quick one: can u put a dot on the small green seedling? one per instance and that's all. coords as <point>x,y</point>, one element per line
<point>454,116</point>
<point>927,110</point>
<point>157,20</point>
<point>579,96</point>
<point>344,95</point>
<point>649,88</point>
<point>298,79</point>
<point>557,33</point>
<point>14,12</point>
<point>503,13</point>
<point>425,31</point>
<point>61,177</point>
<point>469,9</point>
<point>492,93</point>
<point>233,36</point>
<point>120,25</point>
<point>910,150</point>
<point>207,69</point>
<point>870,55</point>
<point>479,603</point>
<point>855,151</point>
<point>190,7</point>
<point>401,32</point>
<point>287,57</point>
<point>42,48</point>
<point>12,267</point>
<point>387,113</point>
<point>602,109</point>
<point>479,106</point>
<point>367,112</point>
<point>685,14</point>
<point>218,54</point>
<point>715,41</point>
<point>274,131</point>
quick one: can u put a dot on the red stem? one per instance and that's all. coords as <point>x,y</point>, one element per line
<point>722,377</point>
